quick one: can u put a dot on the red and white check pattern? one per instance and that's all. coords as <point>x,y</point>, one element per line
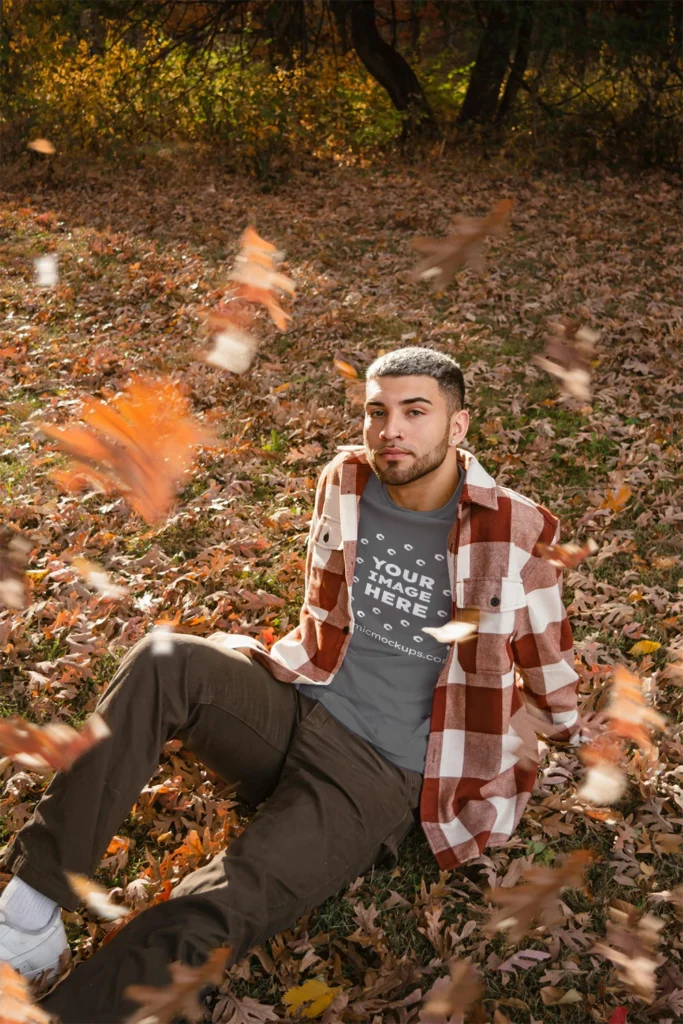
<point>474,790</point>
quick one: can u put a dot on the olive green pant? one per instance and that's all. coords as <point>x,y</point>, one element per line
<point>331,808</point>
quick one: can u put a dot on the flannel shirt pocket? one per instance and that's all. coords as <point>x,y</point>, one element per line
<point>496,600</point>
<point>328,534</point>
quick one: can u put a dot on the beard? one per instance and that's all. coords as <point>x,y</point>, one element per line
<point>398,473</point>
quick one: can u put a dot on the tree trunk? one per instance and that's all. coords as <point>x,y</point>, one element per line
<point>481,99</point>
<point>388,67</point>
<point>519,64</point>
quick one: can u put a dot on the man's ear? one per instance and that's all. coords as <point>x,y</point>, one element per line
<point>460,422</point>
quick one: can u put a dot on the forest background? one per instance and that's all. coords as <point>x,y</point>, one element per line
<point>341,130</point>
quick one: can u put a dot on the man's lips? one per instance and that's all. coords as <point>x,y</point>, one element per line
<point>394,451</point>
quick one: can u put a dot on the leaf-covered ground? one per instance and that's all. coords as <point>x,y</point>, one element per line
<point>141,258</point>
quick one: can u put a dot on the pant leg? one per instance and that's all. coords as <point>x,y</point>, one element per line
<point>337,809</point>
<point>227,708</point>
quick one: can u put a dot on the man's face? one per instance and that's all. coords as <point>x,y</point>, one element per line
<point>407,414</point>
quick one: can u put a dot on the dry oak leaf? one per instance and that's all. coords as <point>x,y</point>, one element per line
<point>449,996</point>
<point>631,940</point>
<point>463,247</point>
<point>49,747</point>
<point>181,997</point>
<point>616,501</point>
<point>144,447</point>
<point>538,899</point>
<point>14,552</point>
<point>96,577</point>
<point>16,1005</point>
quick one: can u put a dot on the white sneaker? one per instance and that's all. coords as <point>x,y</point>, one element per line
<point>31,953</point>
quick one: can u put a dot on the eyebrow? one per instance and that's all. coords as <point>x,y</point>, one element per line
<point>404,401</point>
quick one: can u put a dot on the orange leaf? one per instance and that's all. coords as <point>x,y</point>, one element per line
<point>617,501</point>
<point>16,1005</point>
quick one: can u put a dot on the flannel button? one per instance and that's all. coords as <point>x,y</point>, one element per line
<point>326,537</point>
<point>495,601</point>
<point>346,629</point>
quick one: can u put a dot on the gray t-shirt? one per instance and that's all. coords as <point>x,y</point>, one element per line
<point>384,687</point>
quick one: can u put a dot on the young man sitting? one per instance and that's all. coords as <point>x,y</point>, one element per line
<point>383,726</point>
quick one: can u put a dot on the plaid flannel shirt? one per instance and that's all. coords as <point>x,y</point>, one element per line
<point>475,786</point>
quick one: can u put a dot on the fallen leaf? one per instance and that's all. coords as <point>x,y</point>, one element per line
<point>310,999</point>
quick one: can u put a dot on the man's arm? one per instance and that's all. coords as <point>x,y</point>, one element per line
<point>543,648</point>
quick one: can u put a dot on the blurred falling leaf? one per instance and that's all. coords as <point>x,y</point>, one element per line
<point>47,275</point>
<point>453,632</point>
<point>181,997</point>
<point>14,552</point>
<point>257,279</point>
<point>233,350</point>
<point>49,747</point>
<point>463,247</point>
<point>449,996</point>
<point>630,943</point>
<point>143,449</point>
<point>567,355</point>
<point>42,146</point>
<point>354,383</point>
<point>16,1004</point>
<point>95,897</point>
<point>538,898</point>
<point>565,556</point>
<point>98,579</point>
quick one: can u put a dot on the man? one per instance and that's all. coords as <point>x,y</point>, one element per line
<point>384,725</point>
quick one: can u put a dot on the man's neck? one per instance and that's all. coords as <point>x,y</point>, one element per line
<point>413,497</point>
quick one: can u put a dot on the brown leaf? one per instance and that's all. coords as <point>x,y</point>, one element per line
<point>461,248</point>
<point>49,747</point>
<point>16,1005</point>
<point>144,448</point>
<point>538,898</point>
<point>180,997</point>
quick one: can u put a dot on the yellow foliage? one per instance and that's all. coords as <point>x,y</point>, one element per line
<point>314,995</point>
